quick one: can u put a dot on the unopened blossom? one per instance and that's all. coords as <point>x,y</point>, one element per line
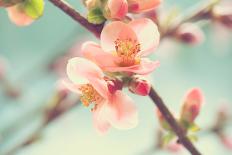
<point>223,14</point>
<point>137,6</point>
<point>124,47</point>
<point>190,33</point>
<point>109,109</point>
<point>18,16</point>
<point>191,105</point>
<point>116,9</point>
<point>139,86</point>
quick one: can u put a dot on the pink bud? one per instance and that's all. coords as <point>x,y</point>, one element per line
<point>116,9</point>
<point>224,15</point>
<point>114,85</point>
<point>139,86</point>
<point>192,105</point>
<point>138,6</point>
<point>190,34</point>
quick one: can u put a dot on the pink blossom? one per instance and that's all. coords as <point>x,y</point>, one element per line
<point>190,33</point>
<point>18,16</point>
<point>192,104</point>
<point>116,109</point>
<point>139,86</point>
<point>137,6</point>
<point>117,9</point>
<point>124,46</point>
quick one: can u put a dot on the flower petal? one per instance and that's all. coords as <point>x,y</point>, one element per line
<point>72,87</point>
<point>93,52</point>
<point>118,8</point>
<point>18,16</point>
<point>137,6</point>
<point>145,67</point>
<point>100,118</point>
<point>112,32</point>
<point>80,70</point>
<point>121,111</point>
<point>147,33</point>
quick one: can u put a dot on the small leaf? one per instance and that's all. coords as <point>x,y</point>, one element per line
<point>167,138</point>
<point>193,138</point>
<point>193,127</point>
<point>33,8</point>
<point>95,16</point>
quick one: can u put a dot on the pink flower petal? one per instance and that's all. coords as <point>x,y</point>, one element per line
<point>101,86</point>
<point>18,16</point>
<point>93,52</point>
<point>118,8</point>
<point>145,67</point>
<point>80,70</point>
<point>137,6</point>
<point>72,87</point>
<point>121,111</point>
<point>112,32</point>
<point>147,33</point>
<point>100,118</point>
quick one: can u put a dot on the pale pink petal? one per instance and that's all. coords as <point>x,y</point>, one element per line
<point>100,118</point>
<point>80,70</point>
<point>93,52</point>
<point>147,33</point>
<point>18,16</point>
<point>137,6</point>
<point>145,67</point>
<point>118,8</point>
<point>112,32</point>
<point>72,87</point>
<point>121,111</point>
<point>100,85</point>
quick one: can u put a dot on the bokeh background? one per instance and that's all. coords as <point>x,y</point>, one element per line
<point>29,51</point>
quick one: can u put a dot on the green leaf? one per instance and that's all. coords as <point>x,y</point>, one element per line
<point>193,138</point>
<point>167,138</point>
<point>193,127</point>
<point>95,16</point>
<point>34,8</point>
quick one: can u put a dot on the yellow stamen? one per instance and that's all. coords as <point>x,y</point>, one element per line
<point>89,95</point>
<point>127,50</point>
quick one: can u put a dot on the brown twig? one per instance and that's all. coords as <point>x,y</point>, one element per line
<point>172,122</point>
<point>66,8</point>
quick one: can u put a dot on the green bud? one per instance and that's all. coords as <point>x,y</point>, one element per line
<point>95,16</point>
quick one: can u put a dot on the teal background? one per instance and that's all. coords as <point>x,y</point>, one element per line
<point>29,51</point>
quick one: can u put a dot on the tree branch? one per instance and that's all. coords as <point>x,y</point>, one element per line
<point>66,8</point>
<point>172,122</point>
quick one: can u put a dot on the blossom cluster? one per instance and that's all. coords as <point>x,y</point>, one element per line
<point>104,70</point>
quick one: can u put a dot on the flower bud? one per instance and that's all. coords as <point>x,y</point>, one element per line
<point>91,4</point>
<point>139,86</point>
<point>223,15</point>
<point>192,105</point>
<point>114,85</point>
<point>190,34</point>
<point>137,6</point>
<point>116,9</point>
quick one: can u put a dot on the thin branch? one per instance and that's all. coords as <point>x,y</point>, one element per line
<point>66,8</point>
<point>172,122</point>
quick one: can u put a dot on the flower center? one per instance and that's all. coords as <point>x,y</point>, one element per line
<point>127,50</point>
<point>89,95</point>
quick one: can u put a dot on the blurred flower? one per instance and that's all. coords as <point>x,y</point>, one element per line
<point>139,86</point>
<point>192,104</point>
<point>109,109</point>
<point>174,147</point>
<point>116,9</point>
<point>18,16</point>
<point>123,47</point>
<point>137,6</point>
<point>190,33</point>
<point>227,141</point>
<point>223,14</point>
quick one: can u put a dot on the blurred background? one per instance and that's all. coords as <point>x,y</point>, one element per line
<point>32,55</point>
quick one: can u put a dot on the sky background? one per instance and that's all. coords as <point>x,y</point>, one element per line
<point>29,51</point>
